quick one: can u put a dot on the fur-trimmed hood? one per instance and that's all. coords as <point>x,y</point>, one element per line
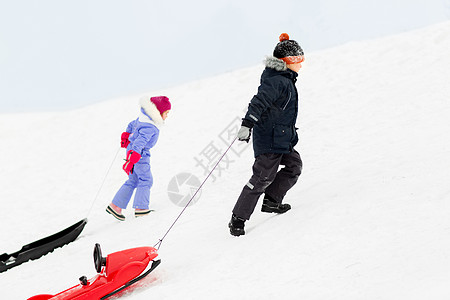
<point>149,110</point>
<point>275,63</point>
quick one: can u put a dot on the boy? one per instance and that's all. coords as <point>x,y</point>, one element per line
<point>272,114</point>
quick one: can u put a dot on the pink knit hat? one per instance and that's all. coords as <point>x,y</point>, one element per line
<point>162,103</point>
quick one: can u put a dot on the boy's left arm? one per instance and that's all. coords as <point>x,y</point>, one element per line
<point>268,92</point>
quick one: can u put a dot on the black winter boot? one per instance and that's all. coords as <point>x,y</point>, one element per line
<point>236,226</point>
<point>270,206</point>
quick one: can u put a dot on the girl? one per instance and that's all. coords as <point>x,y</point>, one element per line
<point>140,135</point>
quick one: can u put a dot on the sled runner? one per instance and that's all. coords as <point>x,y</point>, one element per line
<point>117,271</point>
<point>41,247</point>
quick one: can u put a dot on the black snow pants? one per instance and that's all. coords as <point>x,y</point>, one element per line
<point>267,179</point>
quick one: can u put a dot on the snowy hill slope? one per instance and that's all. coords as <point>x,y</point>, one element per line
<point>370,217</point>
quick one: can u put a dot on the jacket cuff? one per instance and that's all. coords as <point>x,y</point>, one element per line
<point>247,123</point>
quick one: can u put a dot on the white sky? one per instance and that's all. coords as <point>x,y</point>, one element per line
<point>57,55</point>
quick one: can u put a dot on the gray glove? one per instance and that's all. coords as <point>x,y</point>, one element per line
<point>244,133</point>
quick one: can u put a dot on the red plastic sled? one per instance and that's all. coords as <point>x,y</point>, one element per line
<point>117,271</point>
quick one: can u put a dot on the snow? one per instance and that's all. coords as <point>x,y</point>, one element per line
<point>370,216</point>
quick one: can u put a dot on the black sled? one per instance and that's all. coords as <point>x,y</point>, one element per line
<point>41,247</point>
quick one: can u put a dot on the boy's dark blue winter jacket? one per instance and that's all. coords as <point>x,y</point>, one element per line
<point>273,110</point>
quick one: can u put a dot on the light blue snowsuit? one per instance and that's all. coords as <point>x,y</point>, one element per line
<point>143,136</point>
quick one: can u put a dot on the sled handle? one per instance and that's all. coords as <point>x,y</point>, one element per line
<point>99,261</point>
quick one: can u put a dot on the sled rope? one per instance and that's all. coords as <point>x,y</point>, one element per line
<point>103,182</point>
<point>158,244</point>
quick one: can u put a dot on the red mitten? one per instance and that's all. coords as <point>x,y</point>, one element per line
<point>124,142</point>
<point>132,158</point>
